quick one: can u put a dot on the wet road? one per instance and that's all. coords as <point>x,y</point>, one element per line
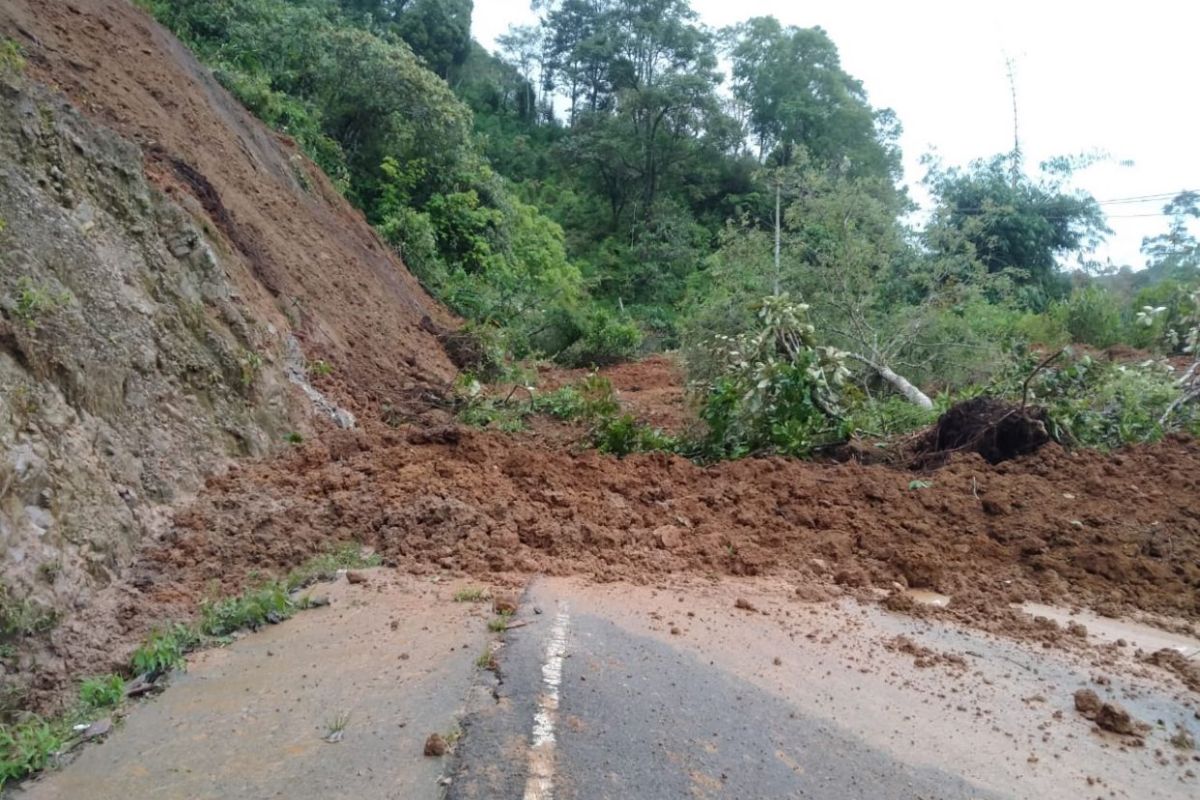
<point>677,693</point>
<point>639,719</point>
<point>693,689</point>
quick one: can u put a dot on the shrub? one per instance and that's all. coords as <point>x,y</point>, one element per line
<point>164,650</point>
<point>603,339</point>
<point>12,61</point>
<point>252,610</point>
<point>102,692</point>
<point>28,746</point>
<point>1092,316</point>
<point>776,391</point>
<point>1105,405</point>
<point>623,434</point>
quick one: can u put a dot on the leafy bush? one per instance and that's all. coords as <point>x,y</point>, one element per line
<point>164,650</point>
<point>28,746</point>
<point>776,391</point>
<point>889,416</point>
<point>1105,405</point>
<point>252,610</point>
<point>603,339</point>
<point>622,434</point>
<point>11,58</point>
<point>102,692</point>
<point>1092,316</point>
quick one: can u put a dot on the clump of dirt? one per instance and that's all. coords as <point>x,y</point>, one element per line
<point>924,657</point>
<point>1111,717</point>
<point>995,429</point>
<point>1187,670</point>
<point>1087,703</point>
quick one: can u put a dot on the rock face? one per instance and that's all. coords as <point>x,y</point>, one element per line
<point>129,364</point>
<point>170,271</point>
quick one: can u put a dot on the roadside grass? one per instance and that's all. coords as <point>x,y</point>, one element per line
<point>325,567</point>
<point>31,744</point>
<point>335,729</point>
<point>472,594</point>
<point>499,624</point>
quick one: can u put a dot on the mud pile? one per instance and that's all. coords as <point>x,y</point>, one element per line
<point>1115,532</point>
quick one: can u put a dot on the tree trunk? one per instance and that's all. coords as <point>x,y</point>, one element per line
<point>901,384</point>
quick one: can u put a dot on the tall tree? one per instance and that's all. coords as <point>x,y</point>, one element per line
<point>796,94</point>
<point>1176,253</point>
<point>1015,224</point>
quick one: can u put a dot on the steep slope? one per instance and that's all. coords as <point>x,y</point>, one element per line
<point>169,268</point>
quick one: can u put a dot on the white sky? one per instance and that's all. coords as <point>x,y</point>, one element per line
<point>1090,76</point>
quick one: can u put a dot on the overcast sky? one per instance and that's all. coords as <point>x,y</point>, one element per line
<point>1090,76</point>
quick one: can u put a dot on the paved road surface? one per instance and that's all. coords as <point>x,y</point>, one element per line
<point>627,692</point>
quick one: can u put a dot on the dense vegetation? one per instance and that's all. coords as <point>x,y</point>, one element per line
<point>600,187</point>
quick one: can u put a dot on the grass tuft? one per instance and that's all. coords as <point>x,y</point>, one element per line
<point>472,594</point>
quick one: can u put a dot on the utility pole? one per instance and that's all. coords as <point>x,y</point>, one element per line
<point>778,226</point>
<point>1016,151</point>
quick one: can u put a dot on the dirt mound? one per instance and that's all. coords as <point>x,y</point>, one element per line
<point>307,262</point>
<point>996,430</point>
<point>1115,532</point>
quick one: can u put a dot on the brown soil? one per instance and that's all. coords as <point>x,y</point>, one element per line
<point>310,260</point>
<point>1118,532</point>
<point>651,389</point>
<point>1114,532</point>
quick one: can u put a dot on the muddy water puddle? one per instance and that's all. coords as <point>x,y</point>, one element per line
<point>924,597</point>
<point>1108,629</point>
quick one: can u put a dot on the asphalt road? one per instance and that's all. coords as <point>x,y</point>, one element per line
<point>637,718</point>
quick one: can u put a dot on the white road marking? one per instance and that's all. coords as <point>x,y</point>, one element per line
<point>540,783</point>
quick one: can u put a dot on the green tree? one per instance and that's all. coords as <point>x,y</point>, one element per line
<point>1014,224</point>
<point>796,94</point>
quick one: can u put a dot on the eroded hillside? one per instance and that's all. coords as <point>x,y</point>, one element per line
<point>170,273</point>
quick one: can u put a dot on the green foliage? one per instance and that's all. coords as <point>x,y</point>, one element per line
<point>12,60</point>
<point>1105,405</point>
<point>164,650</point>
<point>1091,316</point>
<point>499,624</point>
<point>775,390</point>
<point>320,368</point>
<point>267,604</point>
<point>325,567</point>
<point>623,434</point>
<point>21,617</point>
<point>888,416</point>
<point>28,747</point>
<point>1012,223</point>
<point>33,301</point>
<point>102,692</point>
<point>603,339</point>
